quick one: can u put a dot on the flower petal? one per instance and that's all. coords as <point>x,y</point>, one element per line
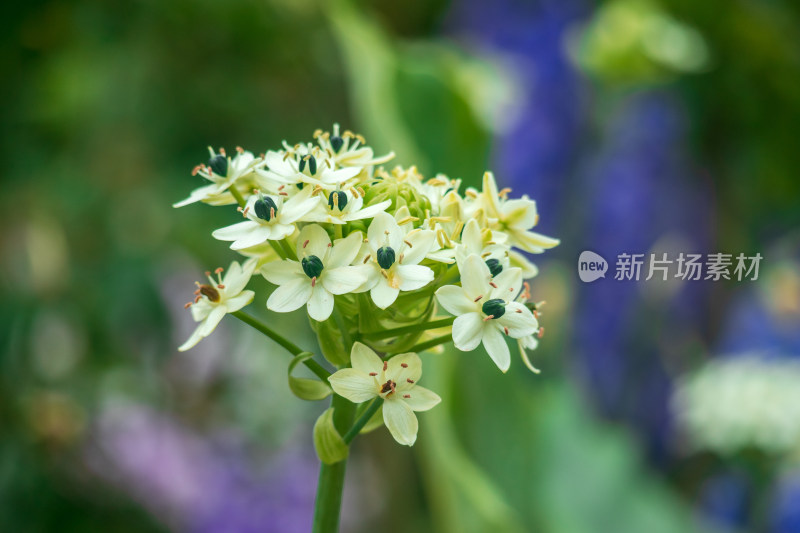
<point>343,279</point>
<point>509,283</point>
<point>345,250</point>
<point>368,212</point>
<point>422,242</point>
<point>298,206</point>
<point>453,298</point>
<point>240,300</point>
<point>290,296</point>
<point>364,359</point>
<point>519,320</point>
<point>401,421</point>
<point>497,348</point>
<point>383,295</point>
<point>421,399</point>
<point>313,240</point>
<point>471,238</point>
<point>475,276</point>
<point>237,277</point>
<point>282,272</point>
<point>193,339</point>
<point>256,235</point>
<point>384,231</point>
<point>413,277</point>
<point>354,385</point>
<point>212,320</point>
<point>320,305</point>
<point>236,231</point>
<point>401,374</point>
<point>468,331</point>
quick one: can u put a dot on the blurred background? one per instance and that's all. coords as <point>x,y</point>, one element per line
<point>636,125</point>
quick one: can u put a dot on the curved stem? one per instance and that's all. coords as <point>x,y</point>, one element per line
<point>436,341</point>
<point>359,424</point>
<point>388,333</point>
<point>291,347</point>
<point>236,194</point>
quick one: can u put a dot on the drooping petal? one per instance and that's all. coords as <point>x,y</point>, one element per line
<point>516,259</point>
<point>383,295</point>
<point>519,320</point>
<point>497,348</point>
<point>421,243</point>
<point>401,421</point>
<point>201,194</point>
<point>282,271</point>
<point>240,300</point>
<point>475,276</point>
<point>256,235</point>
<point>236,231</point>
<point>193,339</point>
<point>401,374</point>
<point>413,277</point>
<point>290,296</point>
<point>508,284</point>
<point>520,213</point>
<point>320,305</point>
<point>343,279</point>
<point>345,250</point>
<point>313,240</point>
<point>533,242</point>
<point>384,231</point>
<point>421,399</point>
<point>354,385</point>
<point>455,301</point>
<point>468,331</point>
<point>212,320</point>
<point>364,359</point>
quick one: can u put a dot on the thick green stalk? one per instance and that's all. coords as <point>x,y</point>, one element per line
<point>236,194</point>
<point>331,477</point>
<point>436,341</point>
<point>359,424</point>
<point>291,347</point>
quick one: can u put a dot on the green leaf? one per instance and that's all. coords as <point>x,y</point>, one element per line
<point>329,444</point>
<point>305,388</point>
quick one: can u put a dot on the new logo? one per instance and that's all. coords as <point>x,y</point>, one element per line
<point>591,266</point>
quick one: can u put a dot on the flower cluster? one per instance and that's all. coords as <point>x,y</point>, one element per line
<point>373,253</point>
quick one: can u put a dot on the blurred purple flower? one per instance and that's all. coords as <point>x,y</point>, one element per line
<point>198,485</point>
<point>785,509</point>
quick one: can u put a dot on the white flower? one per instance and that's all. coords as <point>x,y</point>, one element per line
<point>514,217</point>
<point>301,165</point>
<point>220,296</point>
<point>478,242</point>
<point>343,206</point>
<point>395,381</point>
<point>349,149</point>
<point>269,217</point>
<point>392,265</point>
<point>323,271</point>
<point>485,309</point>
<point>222,171</point>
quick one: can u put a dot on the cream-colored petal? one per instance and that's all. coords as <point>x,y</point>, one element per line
<point>236,231</point>
<point>313,240</point>
<point>421,243</point>
<point>468,331</point>
<point>368,212</point>
<point>320,305</point>
<point>344,251</point>
<point>475,277</point>
<point>383,295</point>
<point>282,271</point>
<point>508,284</point>
<point>192,341</point>
<point>497,348</point>
<point>519,320</point>
<point>364,359</point>
<point>471,238</point>
<point>455,301</point>
<point>401,374</point>
<point>237,277</point>
<point>290,296</point>
<point>413,277</point>
<point>343,279</point>
<point>240,300</point>
<point>298,206</point>
<point>516,259</point>
<point>520,213</point>
<point>421,399</point>
<point>254,236</point>
<point>354,385</point>
<point>212,320</point>
<point>401,421</point>
<point>384,231</point>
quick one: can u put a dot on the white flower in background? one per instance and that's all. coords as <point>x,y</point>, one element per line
<point>514,217</point>
<point>219,297</point>
<point>485,309</point>
<point>222,171</point>
<point>735,403</point>
<point>343,206</point>
<point>391,263</point>
<point>349,149</point>
<point>529,342</point>
<point>269,217</point>
<point>323,270</point>
<point>395,381</point>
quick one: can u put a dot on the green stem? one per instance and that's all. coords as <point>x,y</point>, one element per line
<point>291,347</point>
<point>331,477</point>
<point>236,194</point>
<point>362,420</point>
<point>387,333</point>
<point>288,250</point>
<point>277,248</point>
<point>436,341</point>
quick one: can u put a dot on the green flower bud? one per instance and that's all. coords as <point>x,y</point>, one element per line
<point>494,308</point>
<point>265,208</point>
<point>385,257</point>
<point>219,164</point>
<point>312,266</point>
<point>494,266</point>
